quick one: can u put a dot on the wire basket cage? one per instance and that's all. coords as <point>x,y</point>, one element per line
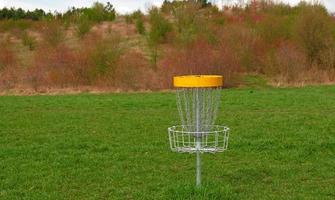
<point>214,139</point>
<point>198,107</point>
<point>198,102</point>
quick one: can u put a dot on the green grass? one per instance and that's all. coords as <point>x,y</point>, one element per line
<point>255,81</point>
<point>115,146</point>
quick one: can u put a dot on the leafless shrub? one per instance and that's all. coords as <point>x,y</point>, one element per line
<point>199,58</point>
<point>8,66</point>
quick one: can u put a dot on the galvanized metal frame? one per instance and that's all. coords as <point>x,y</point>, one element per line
<point>198,102</point>
<point>184,141</point>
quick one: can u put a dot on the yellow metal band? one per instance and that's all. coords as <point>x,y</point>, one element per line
<point>198,81</point>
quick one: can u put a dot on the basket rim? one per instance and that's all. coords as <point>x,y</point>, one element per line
<point>221,128</point>
<point>198,81</point>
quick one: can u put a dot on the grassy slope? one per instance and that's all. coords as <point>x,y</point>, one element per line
<point>282,146</point>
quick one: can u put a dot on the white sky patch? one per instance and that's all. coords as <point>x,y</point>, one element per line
<point>121,6</point>
<point>330,4</point>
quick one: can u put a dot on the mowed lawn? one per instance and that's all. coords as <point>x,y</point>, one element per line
<point>115,146</point>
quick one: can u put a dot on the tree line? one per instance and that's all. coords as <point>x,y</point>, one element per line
<point>98,12</point>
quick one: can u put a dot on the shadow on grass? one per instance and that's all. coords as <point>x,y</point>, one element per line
<point>208,191</point>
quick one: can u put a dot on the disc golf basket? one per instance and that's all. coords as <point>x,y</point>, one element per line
<point>198,100</point>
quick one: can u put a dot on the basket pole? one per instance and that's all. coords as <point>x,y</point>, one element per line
<point>198,144</point>
<point>198,167</point>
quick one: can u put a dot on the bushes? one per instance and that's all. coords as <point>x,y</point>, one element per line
<point>136,17</point>
<point>85,18</point>
<point>285,63</point>
<point>100,12</point>
<point>187,17</point>
<point>133,73</point>
<point>199,57</point>
<point>130,18</point>
<point>103,57</point>
<point>57,67</point>
<point>107,63</point>
<point>101,61</point>
<point>195,18</point>
<point>83,26</point>
<point>245,44</point>
<point>17,14</point>
<point>61,66</point>
<point>16,27</point>
<point>315,32</point>
<point>97,13</point>
<point>8,66</point>
<point>160,27</point>
<point>7,57</point>
<point>287,44</point>
<point>140,26</point>
<point>28,41</point>
<point>53,33</point>
<point>275,28</point>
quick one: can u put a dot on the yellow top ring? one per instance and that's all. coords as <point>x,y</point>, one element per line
<point>198,81</point>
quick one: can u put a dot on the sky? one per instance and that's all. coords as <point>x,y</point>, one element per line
<point>122,6</point>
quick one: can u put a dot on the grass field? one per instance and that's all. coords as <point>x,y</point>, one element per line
<point>115,146</point>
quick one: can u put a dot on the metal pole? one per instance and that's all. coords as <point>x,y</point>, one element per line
<point>198,145</point>
<point>198,165</point>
